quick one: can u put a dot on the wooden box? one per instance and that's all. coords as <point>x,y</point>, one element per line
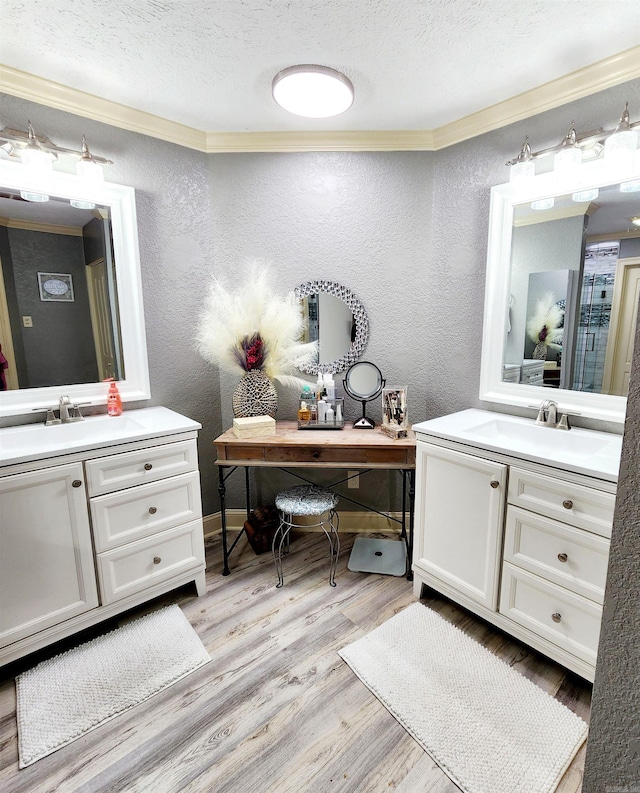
<point>254,426</point>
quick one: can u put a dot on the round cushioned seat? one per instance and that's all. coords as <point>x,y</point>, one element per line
<point>306,500</point>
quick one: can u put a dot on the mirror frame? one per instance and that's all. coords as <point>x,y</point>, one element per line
<point>504,197</point>
<point>121,202</point>
<point>359,317</point>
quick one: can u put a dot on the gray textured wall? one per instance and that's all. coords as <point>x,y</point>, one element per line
<point>57,327</point>
<point>407,233</point>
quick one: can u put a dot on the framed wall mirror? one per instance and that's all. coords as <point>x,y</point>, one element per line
<point>82,242</point>
<point>563,278</point>
<point>337,320</point>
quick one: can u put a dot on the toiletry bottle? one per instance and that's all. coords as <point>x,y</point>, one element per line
<point>304,414</point>
<point>329,415</point>
<point>114,400</point>
<point>338,412</point>
<point>319,387</point>
<point>322,410</point>
<point>330,387</point>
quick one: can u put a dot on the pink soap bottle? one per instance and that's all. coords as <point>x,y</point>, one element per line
<point>114,400</point>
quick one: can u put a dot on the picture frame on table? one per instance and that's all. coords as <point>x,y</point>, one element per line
<point>394,408</point>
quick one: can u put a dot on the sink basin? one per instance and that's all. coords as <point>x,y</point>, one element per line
<point>508,432</point>
<point>36,441</point>
<point>90,430</point>
<point>582,451</point>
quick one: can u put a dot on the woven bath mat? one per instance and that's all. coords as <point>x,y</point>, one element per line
<point>488,728</point>
<point>65,697</point>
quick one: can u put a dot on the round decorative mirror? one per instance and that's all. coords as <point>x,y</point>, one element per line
<point>337,320</point>
<point>363,381</point>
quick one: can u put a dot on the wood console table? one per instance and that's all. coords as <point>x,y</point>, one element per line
<point>291,449</point>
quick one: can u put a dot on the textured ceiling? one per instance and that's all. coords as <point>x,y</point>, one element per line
<point>415,64</point>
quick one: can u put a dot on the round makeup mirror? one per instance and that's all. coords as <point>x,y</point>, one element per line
<point>364,382</point>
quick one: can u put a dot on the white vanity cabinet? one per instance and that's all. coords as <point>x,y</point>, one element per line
<point>460,505</point>
<point>90,532</point>
<point>147,517</point>
<point>522,544</point>
<point>46,558</point>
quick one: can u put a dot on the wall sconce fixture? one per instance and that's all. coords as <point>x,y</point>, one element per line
<point>312,91</point>
<point>619,146</point>
<point>37,153</point>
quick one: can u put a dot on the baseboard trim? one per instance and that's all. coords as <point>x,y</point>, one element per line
<point>350,522</point>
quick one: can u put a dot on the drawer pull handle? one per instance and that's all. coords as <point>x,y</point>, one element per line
<point>315,454</point>
<point>76,483</point>
<point>147,466</point>
<point>494,483</point>
<point>156,560</point>
<point>562,557</point>
<point>556,617</point>
<point>153,510</point>
<point>567,504</point>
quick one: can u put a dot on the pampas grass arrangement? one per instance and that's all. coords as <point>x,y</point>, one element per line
<point>544,325</point>
<point>251,327</point>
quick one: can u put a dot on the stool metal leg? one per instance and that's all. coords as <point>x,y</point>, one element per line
<point>280,541</point>
<point>334,544</point>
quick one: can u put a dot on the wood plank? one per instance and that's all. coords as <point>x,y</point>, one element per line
<point>277,711</point>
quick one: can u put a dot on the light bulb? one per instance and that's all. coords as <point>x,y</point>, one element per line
<point>543,203</point>
<point>34,197</point>
<point>523,169</point>
<point>87,168</point>
<point>632,186</point>
<point>619,148</point>
<point>36,160</point>
<point>585,195</point>
<point>569,158</point>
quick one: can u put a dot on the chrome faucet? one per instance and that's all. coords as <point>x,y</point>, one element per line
<point>69,411</point>
<point>65,405</point>
<point>548,414</point>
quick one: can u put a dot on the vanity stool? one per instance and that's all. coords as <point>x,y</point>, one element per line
<point>306,500</point>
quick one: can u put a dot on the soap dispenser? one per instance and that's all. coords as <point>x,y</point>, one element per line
<point>114,400</point>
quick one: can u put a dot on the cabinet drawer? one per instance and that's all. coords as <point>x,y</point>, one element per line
<point>135,567</point>
<point>579,506</point>
<point>107,474</point>
<point>532,602</point>
<point>138,512</point>
<point>564,555</point>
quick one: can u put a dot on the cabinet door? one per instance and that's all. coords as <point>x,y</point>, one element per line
<point>459,517</point>
<point>46,559</point>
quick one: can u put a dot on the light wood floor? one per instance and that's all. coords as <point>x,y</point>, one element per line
<point>277,711</point>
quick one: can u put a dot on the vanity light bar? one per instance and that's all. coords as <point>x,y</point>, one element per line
<point>623,138</point>
<point>16,140</point>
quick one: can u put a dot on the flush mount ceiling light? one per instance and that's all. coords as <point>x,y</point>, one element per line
<point>312,91</point>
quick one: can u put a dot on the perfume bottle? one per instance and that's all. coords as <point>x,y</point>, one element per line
<point>304,414</point>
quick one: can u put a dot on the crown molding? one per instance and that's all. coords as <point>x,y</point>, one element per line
<point>601,75</point>
<point>362,140</point>
<point>604,74</point>
<point>47,228</point>
<point>60,97</point>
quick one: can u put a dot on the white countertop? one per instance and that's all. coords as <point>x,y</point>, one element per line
<point>579,450</point>
<point>37,442</point>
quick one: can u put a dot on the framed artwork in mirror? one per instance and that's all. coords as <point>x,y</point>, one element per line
<point>56,287</point>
